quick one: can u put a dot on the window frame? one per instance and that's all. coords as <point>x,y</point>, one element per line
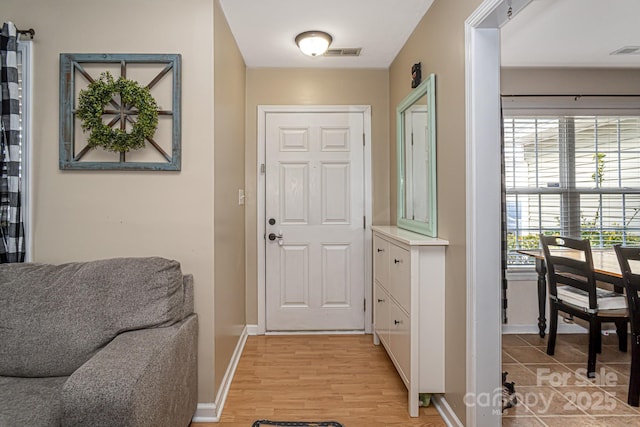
<point>565,108</point>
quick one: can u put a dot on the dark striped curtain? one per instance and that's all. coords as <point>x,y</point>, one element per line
<point>12,245</point>
<point>504,248</point>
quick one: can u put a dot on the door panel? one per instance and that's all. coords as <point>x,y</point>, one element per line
<point>294,193</point>
<point>294,282</point>
<point>336,193</point>
<point>315,194</point>
<point>336,265</point>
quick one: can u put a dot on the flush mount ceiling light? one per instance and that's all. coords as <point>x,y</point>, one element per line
<point>313,43</point>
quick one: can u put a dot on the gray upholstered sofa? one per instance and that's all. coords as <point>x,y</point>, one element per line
<point>100,343</point>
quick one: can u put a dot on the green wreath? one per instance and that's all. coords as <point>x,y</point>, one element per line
<point>92,100</point>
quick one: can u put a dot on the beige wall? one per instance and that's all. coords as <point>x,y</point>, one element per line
<point>82,215</point>
<point>229,266</point>
<point>271,86</point>
<point>438,43</point>
<point>569,81</point>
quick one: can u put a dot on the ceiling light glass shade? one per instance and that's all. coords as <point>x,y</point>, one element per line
<point>313,43</point>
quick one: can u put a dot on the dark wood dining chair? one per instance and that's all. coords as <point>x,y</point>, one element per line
<point>573,290</point>
<point>631,281</point>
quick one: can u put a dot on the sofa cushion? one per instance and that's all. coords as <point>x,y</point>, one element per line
<point>53,318</point>
<point>31,401</point>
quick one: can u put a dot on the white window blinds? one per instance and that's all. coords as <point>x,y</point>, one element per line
<point>569,174</point>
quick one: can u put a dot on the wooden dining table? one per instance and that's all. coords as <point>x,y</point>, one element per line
<point>605,266</point>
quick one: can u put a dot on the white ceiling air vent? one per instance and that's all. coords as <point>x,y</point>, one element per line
<point>627,50</point>
<point>346,51</point>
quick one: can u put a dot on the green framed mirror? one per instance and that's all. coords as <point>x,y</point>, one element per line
<point>416,153</point>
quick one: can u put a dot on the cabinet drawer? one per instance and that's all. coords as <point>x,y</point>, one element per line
<point>381,313</point>
<point>400,276</point>
<point>381,261</point>
<point>400,341</point>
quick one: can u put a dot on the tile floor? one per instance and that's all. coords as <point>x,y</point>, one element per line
<point>554,391</point>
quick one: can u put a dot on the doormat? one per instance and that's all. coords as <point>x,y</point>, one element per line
<point>261,423</point>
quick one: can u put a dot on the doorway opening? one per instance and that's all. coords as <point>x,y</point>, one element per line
<point>264,227</point>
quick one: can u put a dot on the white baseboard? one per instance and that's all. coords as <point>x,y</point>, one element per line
<point>206,413</point>
<point>563,328</point>
<point>253,330</point>
<point>445,411</point>
<point>355,332</point>
<point>211,412</point>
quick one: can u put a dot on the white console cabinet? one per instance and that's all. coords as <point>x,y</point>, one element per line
<point>408,312</point>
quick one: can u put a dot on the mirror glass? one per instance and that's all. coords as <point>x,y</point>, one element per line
<point>416,141</point>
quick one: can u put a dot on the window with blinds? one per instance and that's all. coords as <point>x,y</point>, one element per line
<point>574,175</point>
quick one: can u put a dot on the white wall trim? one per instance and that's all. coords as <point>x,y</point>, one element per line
<point>563,328</point>
<point>339,332</point>
<point>483,215</point>
<point>522,275</point>
<point>261,189</point>
<point>206,413</point>
<point>445,411</point>
<point>368,212</point>
<point>261,235</point>
<point>212,412</point>
<point>252,330</point>
<point>482,103</point>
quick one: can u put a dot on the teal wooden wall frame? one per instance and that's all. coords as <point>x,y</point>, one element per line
<point>72,150</point>
<point>422,96</point>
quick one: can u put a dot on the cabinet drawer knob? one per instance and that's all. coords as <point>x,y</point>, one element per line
<point>397,322</point>
<point>380,300</point>
<point>380,250</point>
<point>396,261</point>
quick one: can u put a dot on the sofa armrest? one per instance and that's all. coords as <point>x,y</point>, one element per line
<point>187,306</point>
<point>141,378</point>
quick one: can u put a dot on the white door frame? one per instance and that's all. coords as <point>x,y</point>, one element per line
<point>484,340</point>
<point>263,110</point>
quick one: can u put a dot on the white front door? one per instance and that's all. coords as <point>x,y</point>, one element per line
<point>314,212</point>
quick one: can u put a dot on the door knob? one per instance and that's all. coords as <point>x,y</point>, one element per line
<point>274,236</point>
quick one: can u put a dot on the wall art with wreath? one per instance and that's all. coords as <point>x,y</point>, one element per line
<point>120,111</point>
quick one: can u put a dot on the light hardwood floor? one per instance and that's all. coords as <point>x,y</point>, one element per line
<point>343,378</point>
